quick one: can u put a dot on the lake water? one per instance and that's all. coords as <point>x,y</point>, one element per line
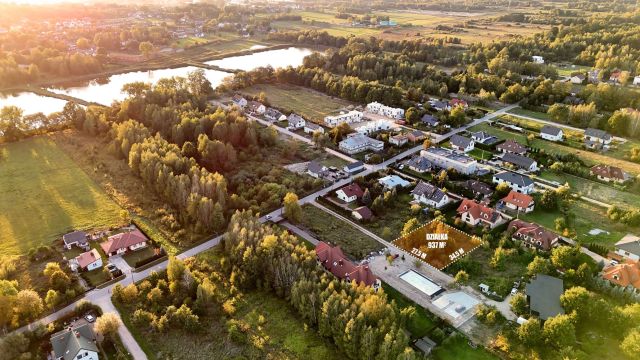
<point>276,58</point>
<point>32,103</point>
<point>106,90</point>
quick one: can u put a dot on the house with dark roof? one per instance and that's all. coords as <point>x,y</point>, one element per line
<point>533,235</point>
<point>75,343</point>
<point>461,143</point>
<point>354,167</point>
<point>419,164</point>
<point>274,115</point>
<point>333,260</point>
<point>517,182</point>
<point>76,238</point>
<point>439,105</point>
<point>474,213</point>
<point>124,242</point>
<point>522,162</point>
<point>350,193</point>
<point>255,107</point>
<point>610,173</point>
<point>316,169</point>
<point>430,120</point>
<point>518,202</point>
<point>578,78</point>
<point>596,139</point>
<point>430,195</point>
<point>483,137</point>
<point>362,213</point>
<point>295,121</point>
<point>478,188</point>
<point>628,247</point>
<point>551,133</point>
<point>513,147</point>
<point>543,294</point>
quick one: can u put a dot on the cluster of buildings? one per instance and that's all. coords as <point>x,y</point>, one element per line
<point>91,259</point>
<point>442,105</point>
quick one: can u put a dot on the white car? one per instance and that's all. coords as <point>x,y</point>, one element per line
<point>90,318</point>
<point>514,291</point>
<point>268,217</point>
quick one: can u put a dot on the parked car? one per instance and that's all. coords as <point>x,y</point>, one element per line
<point>90,318</point>
<point>514,291</point>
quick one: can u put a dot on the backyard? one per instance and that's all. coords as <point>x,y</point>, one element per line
<point>328,228</point>
<point>44,194</point>
<point>308,103</point>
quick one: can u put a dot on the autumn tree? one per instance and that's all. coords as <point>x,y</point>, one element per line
<point>292,210</point>
<point>107,325</point>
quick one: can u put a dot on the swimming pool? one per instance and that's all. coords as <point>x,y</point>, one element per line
<point>421,283</point>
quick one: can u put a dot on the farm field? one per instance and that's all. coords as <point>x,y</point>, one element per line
<point>308,103</point>
<point>530,113</point>
<point>590,158</point>
<point>418,24</point>
<point>328,228</point>
<point>44,194</point>
<point>595,190</point>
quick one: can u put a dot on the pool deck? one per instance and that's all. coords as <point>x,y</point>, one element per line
<point>391,275</point>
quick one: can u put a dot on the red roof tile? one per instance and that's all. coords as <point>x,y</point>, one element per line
<point>123,240</point>
<point>518,199</point>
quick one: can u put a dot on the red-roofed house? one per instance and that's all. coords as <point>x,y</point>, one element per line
<point>88,261</point>
<point>610,173</point>
<point>519,202</point>
<point>362,213</point>
<point>334,261</point>
<point>350,193</point>
<point>123,242</point>
<point>458,102</point>
<point>474,214</point>
<point>533,235</point>
<point>624,274</point>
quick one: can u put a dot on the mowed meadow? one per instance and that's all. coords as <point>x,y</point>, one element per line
<point>43,194</point>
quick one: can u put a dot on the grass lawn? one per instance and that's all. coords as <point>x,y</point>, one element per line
<point>570,69</point>
<point>308,103</point>
<point>457,348</point>
<point>96,277</point>
<point>133,257</point>
<point>589,157</point>
<point>328,228</point>
<point>422,323</point>
<point>480,154</point>
<point>530,113</point>
<point>595,190</point>
<point>396,214</point>
<point>587,217</point>
<point>44,194</point>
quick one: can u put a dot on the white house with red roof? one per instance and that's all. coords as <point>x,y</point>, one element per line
<point>519,202</point>
<point>350,193</point>
<point>124,242</point>
<point>87,261</point>
<point>475,214</point>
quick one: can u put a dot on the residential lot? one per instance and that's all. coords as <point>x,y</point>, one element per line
<point>330,229</point>
<point>308,103</point>
<point>44,194</point>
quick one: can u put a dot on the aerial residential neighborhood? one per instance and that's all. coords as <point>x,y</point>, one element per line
<point>319,180</point>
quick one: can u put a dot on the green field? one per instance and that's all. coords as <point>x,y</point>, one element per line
<point>43,194</point>
<point>570,69</point>
<point>595,190</point>
<point>308,103</point>
<point>530,113</point>
<point>587,217</point>
<point>589,157</point>
<point>457,348</point>
<point>328,228</point>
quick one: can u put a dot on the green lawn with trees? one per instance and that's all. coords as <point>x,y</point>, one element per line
<point>328,228</point>
<point>44,194</point>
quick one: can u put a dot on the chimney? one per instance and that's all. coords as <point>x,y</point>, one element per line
<point>340,262</point>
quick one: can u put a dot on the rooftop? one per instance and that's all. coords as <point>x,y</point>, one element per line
<point>450,154</point>
<point>514,178</point>
<point>544,293</point>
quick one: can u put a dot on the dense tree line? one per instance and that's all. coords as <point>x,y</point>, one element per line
<point>360,322</point>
